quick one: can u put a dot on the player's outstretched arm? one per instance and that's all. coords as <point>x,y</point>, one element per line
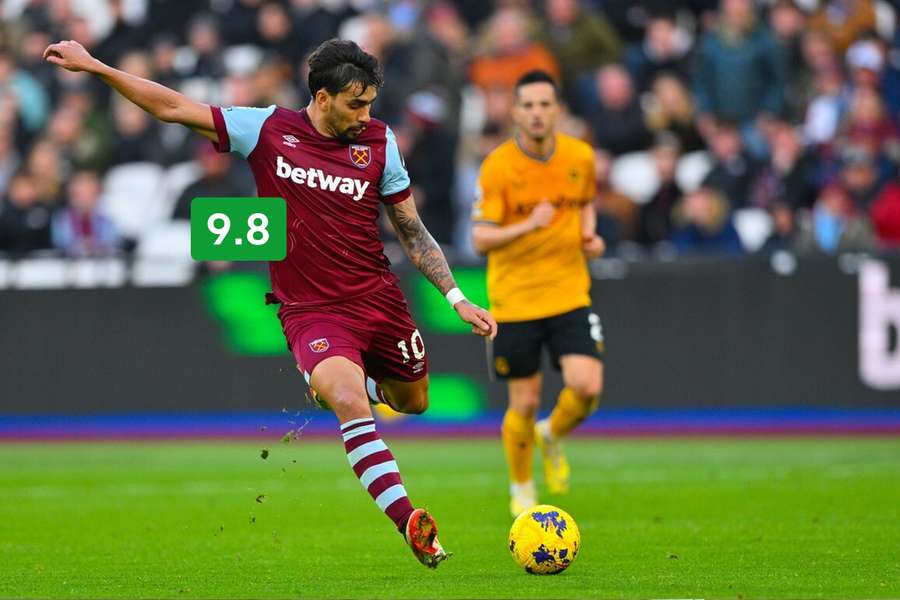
<point>163,103</point>
<point>428,257</point>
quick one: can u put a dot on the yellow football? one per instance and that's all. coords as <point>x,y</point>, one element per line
<point>544,540</point>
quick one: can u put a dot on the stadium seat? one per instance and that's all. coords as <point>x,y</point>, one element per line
<point>40,274</point>
<point>754,226</point>
<point>691,170</point>
<point>163,256</point>
<point>175,180</point>
<point>131,197</point>
<point>166,241</point>
<point>243,59</point>
<point>634,174</point>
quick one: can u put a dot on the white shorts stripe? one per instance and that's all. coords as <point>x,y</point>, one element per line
<point>355,421</point>
<point>356,455</point>
<point>376,471</point>
<point>372,391</point>
<point>389,496</point>
<point>358,431</point>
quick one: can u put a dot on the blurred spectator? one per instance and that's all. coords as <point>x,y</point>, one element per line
<point>664,49</point>
<point>858,177</point>
<point>204,57</point>
<point>428,149</point>
<point>655,220</point>
<point>865,62</point>
<point>508,53</point>
<point>843,21</point>
<point>375,34</point>
<point>740,74</point>
<point>705,225</point>
<point>31,98</point>
<point>31,58</point>
<point>885,214</point>
<point>24,220</point>
<point>618,121</point>
<point>789,176</point>
<point>316,21</point>
<point>733,169</point>
<point>438,57</point>
<point>162,55</point>
<point>79,229</point>
<point>275,30</point>
<point>121,38</point>
<point>136,136</point>
<point>827,108</point>
<point>834,226</point>
<point>218,179</point>
<point>671,108</point>
<point>66,131</point>
<point>784,229</point>
<point>617,214</point>
<point>238,21</point>
<point>788,24</point>
<point>579,38</point>
<point>48,168</point>
<point>867,125</point>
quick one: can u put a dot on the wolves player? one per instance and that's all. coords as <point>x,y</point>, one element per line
<point>342,311</point>
<point>535,221</point>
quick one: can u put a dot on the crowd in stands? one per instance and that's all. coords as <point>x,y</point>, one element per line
<point>719,126</point>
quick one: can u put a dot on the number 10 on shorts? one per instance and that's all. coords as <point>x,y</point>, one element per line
<point>238,229</point>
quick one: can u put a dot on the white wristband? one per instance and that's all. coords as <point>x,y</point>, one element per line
<point>455,296</point>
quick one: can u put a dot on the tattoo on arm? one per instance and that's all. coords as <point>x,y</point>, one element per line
<point>421,248</point>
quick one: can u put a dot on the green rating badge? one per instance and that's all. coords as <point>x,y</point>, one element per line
<point>238,229</point>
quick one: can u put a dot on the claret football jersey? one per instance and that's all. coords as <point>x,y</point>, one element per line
<point>333,193</point>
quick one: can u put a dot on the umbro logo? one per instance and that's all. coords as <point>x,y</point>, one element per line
<point>290,140</point>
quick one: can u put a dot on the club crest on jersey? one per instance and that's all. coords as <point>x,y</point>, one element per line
<point>360,156</point>
<point>319,345</point>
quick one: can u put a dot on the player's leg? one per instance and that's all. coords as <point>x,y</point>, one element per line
<point>516,358</point>
<point>409,397</point>
<point>517,433</point>
<point>341,383</point>
<point>575,342</point>
<point>583,381</point>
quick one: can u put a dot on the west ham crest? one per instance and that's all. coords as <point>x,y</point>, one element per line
<point>319,345</point>
<point>360,156</point>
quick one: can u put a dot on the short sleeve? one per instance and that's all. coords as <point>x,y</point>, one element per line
<point>489,206</point>
<point>239,127</point>
<point>394,185</point>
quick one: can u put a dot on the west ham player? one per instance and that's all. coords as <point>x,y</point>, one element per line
<point>342,311</point>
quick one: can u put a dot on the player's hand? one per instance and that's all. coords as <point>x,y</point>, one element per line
<point>71,56</point>
<point>542,215</point>
<point>482,322</point>
<point>593,246</point>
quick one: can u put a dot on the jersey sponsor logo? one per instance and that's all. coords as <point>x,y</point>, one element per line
<point>317,179</point>
<point>360,156</point>
<point>319,345</point>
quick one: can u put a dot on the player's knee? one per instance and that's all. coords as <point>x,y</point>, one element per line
<point>586,388</point>
<point>345,398</point>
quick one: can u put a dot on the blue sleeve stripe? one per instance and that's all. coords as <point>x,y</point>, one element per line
<point>244,125</point>
<point>395,178</point>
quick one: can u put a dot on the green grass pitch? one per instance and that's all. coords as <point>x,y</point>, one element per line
<point>794,518</point>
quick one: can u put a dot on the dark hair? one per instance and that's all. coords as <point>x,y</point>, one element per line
<point>537,76</point>
<point>336,64</point>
